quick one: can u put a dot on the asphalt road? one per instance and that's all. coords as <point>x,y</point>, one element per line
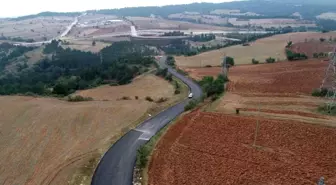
<point>116,167</point>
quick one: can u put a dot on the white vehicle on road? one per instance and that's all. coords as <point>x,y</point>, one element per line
<point>190,95</point>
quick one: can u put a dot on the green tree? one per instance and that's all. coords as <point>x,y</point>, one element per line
<point>229,61</point>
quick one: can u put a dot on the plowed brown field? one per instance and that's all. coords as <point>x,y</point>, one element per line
<point>309,48</point>
<point>216,149</point>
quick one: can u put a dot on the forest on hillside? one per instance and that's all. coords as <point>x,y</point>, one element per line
<point>70,70</point>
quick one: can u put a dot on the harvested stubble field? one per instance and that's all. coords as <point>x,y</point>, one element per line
<point>144,23</point>
<point>39,29</point>
<point>260,50</point>
<point>212,148</point>
<point>50,141</point>
<point>86,45</point>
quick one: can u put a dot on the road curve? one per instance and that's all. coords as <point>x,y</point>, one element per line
<point>116,167</point>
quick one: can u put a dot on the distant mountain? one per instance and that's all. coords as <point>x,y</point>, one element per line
<point>273,8</point>
<point>313,2</point>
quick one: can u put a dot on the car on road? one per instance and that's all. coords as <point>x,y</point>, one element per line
<point>190,95</point>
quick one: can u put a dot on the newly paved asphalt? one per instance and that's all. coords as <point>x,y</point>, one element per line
<point>116,167</point>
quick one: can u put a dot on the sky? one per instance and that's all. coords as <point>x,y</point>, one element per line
<point>14,8</point>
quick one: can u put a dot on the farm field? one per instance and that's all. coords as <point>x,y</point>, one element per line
<point>213,148</point>
<point>39,29</point>
<point>86,45</point>
<point>260,50</point>
<point>268,23</point>
<point>311,47</point>
<point>62,141</point>
<point>281,90</point>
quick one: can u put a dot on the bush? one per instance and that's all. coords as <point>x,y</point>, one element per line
<point>191,105</point>
<point>170,61</point>
<point>289,44</point>
<point>295,56</point>
<point>162,72</point>
<point>78,98</point>
<point>182,72</point>
<point>142,155</point>
<point>315,55</point>
<point>270,60</point>
<point>213,87</point>
<point>254,61</point>
<point>320,92</point>
<point>328,109</point>
<point>169,77</point>
<point>126,98</point>
<point>229,61</point>
<point>208,66</point>
<point>136,97</point>
<point>149,99</point>
<point>161,100</point>
<point>114,84</point>
<point>177,91</point>
<point>214,98</point>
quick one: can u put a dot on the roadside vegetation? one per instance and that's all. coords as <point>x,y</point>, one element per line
<point>78,98</point>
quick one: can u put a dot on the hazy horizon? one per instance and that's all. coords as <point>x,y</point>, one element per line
<point>15,8</point>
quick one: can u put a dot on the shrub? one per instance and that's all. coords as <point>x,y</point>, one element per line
<point>136,97</point>
<point>320,92</point>
<point>126,98</point>
<point>169,77</point>
<point>177,85</point>
<point>229,61</point>
<point>161,100</point>
<point>289,44</point>
<point>270,60</point>
<point>142,155</point>
<point>254,61</point>
<point>191,105</point>
<point>213,87</point>
<point>162,72</point>
<point>177,91</point>
<point>214,98</point>
<point>114,84</point>
<point>170,61</point>
<point>315,55</point>
<point>79,98</point>
<point>208,66</point>
<point>328,109</point>
<point>182,72</point>
<point>322,39</point>
<point>149,99</point>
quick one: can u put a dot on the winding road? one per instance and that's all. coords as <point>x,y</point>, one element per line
<point>116,167</point>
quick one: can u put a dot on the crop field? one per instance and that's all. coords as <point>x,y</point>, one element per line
<point>39,29</point>
<point>86,45</point>
<point>281,90</point>
<point>206,19</point>
<point>144,23</point>
<point>51,141</point>
<point>311,47</point>
<point>283,77</point>
<point>260,50</point>
<point>268,23</point>
<point>213,148</point>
